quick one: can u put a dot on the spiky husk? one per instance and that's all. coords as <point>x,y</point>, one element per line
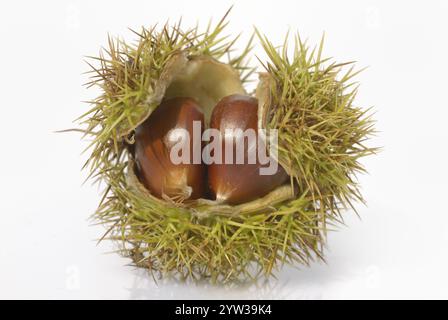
<point>321,137</point>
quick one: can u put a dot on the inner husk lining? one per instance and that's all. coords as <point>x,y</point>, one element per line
<point>207,81</point>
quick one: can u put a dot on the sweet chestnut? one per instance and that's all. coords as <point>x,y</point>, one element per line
<point>154,140</point>
<point>236,183</point>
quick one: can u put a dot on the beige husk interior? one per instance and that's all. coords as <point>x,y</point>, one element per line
<point>208,81</point>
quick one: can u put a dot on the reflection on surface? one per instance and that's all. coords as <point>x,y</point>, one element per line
<point>320,281</point>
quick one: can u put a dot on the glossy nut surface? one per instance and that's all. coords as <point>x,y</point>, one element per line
<point>154,140</point>
<point>239,183</point>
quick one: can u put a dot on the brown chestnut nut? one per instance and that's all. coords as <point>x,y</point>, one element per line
<point>154,141</point>
<point>238,182</point>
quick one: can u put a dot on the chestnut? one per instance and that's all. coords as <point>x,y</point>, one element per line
<point>154,140</point>
<point>234,182</point>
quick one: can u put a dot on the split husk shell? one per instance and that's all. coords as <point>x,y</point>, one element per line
<point>321,138</point>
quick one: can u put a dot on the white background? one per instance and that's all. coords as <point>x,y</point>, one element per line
<point>399,247</point>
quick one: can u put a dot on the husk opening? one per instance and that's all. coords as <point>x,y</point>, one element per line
<point>207,81</point>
